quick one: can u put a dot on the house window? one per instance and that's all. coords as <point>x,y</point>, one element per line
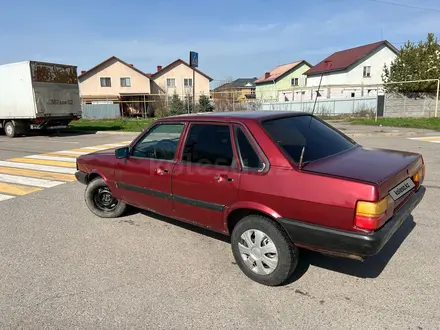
<point>353,94</point>
<point>126,82</point>
<point>367,71</point>
<point>187,82</point>
<point>106,82</point>
<point>171,82</point>
<point>294,81</point>
<point>252,90</point>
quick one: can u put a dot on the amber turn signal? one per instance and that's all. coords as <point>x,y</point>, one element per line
<point>372,215</point>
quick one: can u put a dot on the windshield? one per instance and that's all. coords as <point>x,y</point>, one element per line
<point>294,133</point>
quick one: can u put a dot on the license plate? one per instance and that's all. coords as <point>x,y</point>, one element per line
<point>401,189</point>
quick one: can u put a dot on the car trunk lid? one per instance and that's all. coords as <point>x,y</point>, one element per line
<point>390,170</point>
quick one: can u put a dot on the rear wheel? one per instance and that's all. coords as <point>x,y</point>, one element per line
<point>263,251</point>
<point>100,200</point>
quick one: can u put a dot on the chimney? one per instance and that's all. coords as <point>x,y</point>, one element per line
<point>159,67</point>
<point>83,71</point>
<point>266,75</point>
<point>131,65</point>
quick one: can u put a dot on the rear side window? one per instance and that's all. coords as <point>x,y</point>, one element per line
<point>248,155</point>
<point>318,139</point>
<point>209,145</point>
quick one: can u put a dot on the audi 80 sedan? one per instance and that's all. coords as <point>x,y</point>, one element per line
<point>274,181</point>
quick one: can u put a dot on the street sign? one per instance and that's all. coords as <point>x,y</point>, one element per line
<point>193,59</point>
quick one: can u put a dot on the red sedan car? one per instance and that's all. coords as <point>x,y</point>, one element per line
<point>273,181</point>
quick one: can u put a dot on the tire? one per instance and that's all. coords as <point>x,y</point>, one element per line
<point>102,203</point>
<point>287,253</point>
<point>10,129</point>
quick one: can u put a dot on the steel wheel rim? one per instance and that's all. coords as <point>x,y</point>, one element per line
<point>104,199</point>
<point>8,129</point>
<point>258,252</point>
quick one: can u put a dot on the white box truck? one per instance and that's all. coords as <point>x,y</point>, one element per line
<point>38,96</point>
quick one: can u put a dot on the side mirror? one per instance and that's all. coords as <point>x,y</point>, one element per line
<point>122,152</point>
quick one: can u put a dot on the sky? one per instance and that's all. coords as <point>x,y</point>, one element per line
<point>234,38</point>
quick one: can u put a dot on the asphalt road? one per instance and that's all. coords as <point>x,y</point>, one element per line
<point>63,268</point>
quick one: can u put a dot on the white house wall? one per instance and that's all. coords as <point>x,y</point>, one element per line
<point>354,76</point>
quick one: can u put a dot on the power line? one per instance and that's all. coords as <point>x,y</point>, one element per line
<point>406,6</point>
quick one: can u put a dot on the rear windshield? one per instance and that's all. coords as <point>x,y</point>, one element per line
<point>294,133</point>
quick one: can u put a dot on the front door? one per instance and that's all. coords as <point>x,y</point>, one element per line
<point>206,180</point>
<point>144,179</point>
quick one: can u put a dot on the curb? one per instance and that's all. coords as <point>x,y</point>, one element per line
<point>101,132</point>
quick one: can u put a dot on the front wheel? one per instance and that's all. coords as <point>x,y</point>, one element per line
<point>100,200</point>
<point>263,251</point>
<point>10,130</point>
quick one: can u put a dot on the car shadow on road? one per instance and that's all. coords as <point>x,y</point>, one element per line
<point>370,268</point>
<point>185,225</point>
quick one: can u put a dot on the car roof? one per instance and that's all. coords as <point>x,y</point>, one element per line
<point>234,115</point>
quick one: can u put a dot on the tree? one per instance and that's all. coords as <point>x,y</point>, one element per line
<point>414,62</point>
<point>176,105</point>
<point>205,104</point>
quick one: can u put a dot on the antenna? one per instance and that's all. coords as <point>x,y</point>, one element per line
<point>301,158</point>
<point>328,64</point>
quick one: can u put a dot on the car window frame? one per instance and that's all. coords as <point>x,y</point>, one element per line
<point>148,132</point>
<point>261,155</point>
<point>218,123</point>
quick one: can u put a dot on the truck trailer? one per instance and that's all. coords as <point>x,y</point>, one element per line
<point>38,96</point>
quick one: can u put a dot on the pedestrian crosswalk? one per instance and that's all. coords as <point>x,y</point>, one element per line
<point>28,174</point>
<point>432,139</point>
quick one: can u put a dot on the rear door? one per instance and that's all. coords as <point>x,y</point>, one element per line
<point>144,179</point>
<point>206,179</point>
<point>56,89</point>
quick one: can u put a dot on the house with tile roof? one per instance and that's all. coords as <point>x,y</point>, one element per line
<point>116,81</point>
<point>353,72</point>
<point>284,77</point>
<point>240,89</point>
<point>177,78</point>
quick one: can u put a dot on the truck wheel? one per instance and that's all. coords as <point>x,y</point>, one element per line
<point>100,200</point>
<point>263,251</point>
<point>10,130</point>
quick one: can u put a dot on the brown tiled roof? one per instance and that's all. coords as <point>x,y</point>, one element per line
<point>343,59</point>
<point>279,71</point>
<point>117,59</point>
<point>158,73</point>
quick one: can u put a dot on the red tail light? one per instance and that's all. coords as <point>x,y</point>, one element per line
<point>372,215</point>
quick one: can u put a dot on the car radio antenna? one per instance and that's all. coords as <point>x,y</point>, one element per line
<point>327,64</point>
<point>301,158</point>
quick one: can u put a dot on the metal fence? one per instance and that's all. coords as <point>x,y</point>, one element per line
<point>355,105</point>
<point>100,111</point>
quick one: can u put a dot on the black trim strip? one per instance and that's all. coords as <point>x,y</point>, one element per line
<point>198,203</point>
<point>141,190</point>
<point>176,198</point>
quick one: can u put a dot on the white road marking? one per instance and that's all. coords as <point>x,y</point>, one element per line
<point>5,197</point>
<point>28,181</point>
<point>72,152</point>
<point>46,168</point>
<point>61,159</point>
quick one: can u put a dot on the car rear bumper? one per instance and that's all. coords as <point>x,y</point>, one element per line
<point>81,177</point>
<point>348,243</point>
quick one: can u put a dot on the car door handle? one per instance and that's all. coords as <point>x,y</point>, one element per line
<point>220,178</point>
<point>161,171</point>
